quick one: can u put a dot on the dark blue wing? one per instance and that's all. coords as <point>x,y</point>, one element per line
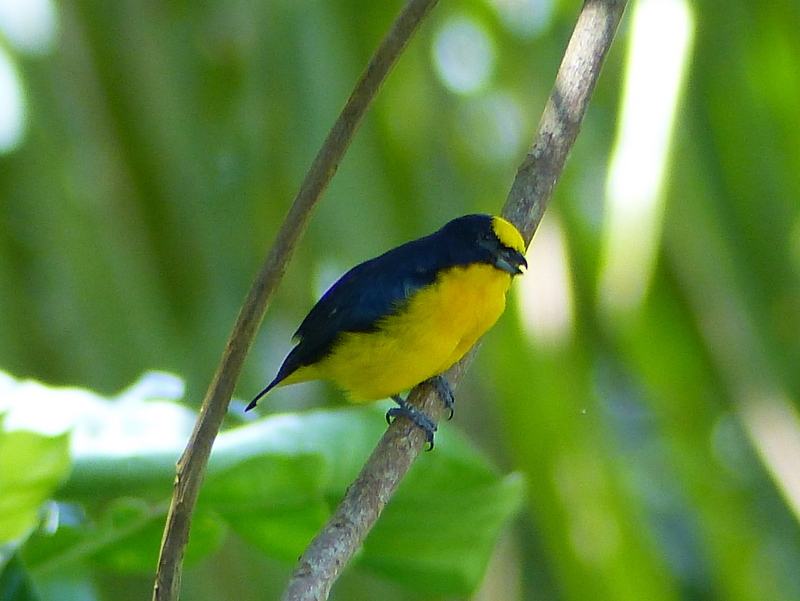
<point>361,298</point>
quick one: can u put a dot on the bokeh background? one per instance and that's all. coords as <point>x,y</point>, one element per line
<point>645,378</point>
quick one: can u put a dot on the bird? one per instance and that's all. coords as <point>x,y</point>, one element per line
<point>408,315</point>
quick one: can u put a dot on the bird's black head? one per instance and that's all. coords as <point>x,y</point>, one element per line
<point>482,238</point>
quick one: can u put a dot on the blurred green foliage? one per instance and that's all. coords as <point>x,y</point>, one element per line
<point>273,483</point>
<point>164,142</point>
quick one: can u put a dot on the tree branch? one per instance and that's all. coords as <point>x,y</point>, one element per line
<point>562,117</point>
<point>192,464</point>
<point>326,556</point>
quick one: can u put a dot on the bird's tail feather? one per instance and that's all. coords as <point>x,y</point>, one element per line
<point>269,387</point>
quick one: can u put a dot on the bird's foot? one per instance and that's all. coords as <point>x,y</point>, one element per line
<point>445,392</point>
<point>417,417</point>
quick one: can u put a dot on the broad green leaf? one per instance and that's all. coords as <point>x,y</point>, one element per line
<point>31,467</point>
<point>436,535</point>
<point>439,531</point>
<point>274,501</point>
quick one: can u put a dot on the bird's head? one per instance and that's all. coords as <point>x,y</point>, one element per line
<point>507,247</point>
<point>491,240</point>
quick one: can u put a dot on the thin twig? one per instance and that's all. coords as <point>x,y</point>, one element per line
<point>192,464</point>
<point>326,556</point>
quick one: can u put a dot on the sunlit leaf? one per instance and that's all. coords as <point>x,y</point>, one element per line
<point>31,467</point>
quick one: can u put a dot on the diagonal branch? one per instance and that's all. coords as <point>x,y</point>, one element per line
<point>561,121</point>
<point>326,556</point>
<point>192,464</point>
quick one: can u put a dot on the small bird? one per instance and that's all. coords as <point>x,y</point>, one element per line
<point>408,315</point>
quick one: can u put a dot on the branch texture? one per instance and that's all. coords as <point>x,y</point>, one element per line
<point>326,556</point>
<point>563,115</point>
<point>192,464</point>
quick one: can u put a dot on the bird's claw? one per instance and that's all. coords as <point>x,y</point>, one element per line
<point>416,416</point>
<point>445,392</point>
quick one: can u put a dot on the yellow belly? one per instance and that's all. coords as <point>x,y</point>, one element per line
<point>439,325</point>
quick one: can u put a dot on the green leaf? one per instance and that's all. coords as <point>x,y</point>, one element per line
<point>436,535</point>
<point>125,538</point>
<point>138,529</point>
<point>31,467</point>
<point>15,583</point>
<point>275,502</point>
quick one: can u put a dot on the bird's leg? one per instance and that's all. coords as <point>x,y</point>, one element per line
<point>445,392</point>
<point>416,416</point>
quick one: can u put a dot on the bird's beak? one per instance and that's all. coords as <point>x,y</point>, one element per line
<point>511,260</point>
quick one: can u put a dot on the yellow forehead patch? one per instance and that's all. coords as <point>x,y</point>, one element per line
<point>508,234</point>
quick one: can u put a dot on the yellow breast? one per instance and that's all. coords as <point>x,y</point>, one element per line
<point>437,327</point>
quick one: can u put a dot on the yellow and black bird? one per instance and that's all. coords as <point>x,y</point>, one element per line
<point>408,315</point>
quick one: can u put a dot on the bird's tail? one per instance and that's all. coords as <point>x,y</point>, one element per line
<point>269,387</point>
